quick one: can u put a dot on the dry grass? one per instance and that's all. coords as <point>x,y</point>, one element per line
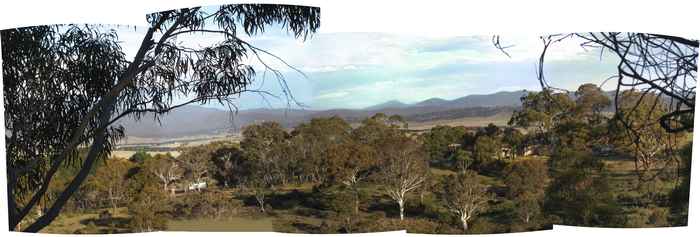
<point>498,119</point>
<point>68,223</point>
<point>234,224</point>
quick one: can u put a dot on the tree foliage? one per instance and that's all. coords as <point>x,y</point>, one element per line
<point>437,142</point>
<point>526,181</point>
<point>165,168</point>
<point>403,168</point>
<point>313,141</point>
<point>636,132</point>
<point>77,82</point>
<point>465,196</point>
<point>659,65</point>
<point>581,194</point>
<point>110,181</point>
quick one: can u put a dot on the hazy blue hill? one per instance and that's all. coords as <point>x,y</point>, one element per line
<point>432,102</point>
<point>503,98</point>
<point>387,105</point>
<point>196,120</point>
<point>184,121</point>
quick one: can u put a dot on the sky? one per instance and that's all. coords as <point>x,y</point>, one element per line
<point>358,70</point>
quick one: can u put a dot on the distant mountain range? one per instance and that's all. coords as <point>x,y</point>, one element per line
<point>499,99</point>
<point>200,121</point>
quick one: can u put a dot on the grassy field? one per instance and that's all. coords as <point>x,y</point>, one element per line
<point>69,223</point>
<point>639,199</point>
<point>233,224</point>
<point>498,119</point>
<point>87,223</point>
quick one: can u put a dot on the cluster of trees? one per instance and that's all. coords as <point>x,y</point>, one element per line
<point>379,155</point>
<point>66,87</point>
<point>490,169</point>
<point>573,132</point>
<point>577,133</point>
<point>327,152</point>
<point>485,149</point>
<point>146,186</point>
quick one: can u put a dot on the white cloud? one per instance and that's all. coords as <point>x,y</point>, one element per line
<point>332,95</point>
<point>355,70</point>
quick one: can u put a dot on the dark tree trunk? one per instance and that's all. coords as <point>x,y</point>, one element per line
<point>95,150</point>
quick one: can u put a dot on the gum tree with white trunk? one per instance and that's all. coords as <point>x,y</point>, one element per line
<point>464,195</point>
<point>403,168</point>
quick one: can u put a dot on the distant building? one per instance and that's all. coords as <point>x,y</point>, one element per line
<point>529,151</point>
<point>197,186</point>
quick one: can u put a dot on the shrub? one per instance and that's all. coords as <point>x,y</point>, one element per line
<point>209,204</point>
<point>148,209</point>
<point>105,215</point>
<point>659,217</point>
<point>482,226</point>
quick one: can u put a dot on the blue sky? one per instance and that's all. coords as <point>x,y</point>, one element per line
<point>357,70</point>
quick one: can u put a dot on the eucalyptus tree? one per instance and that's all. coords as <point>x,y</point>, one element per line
<point>464,195</point>
<point>67,86</point>
<point>580,192</point>
<point>228,165</point>
<point>166,168</point>
<point>111,180</point>
<point>542,111</point>
<point>590,103</point>
<point>659,65</point>
<point>195,162</point>
<point>635,131</point>
<point>350,164</point>
<point>403,168</point>
<point>515,140</point>
<point>437,142</point>
<point>261,147</point>
<point>662,65</point>
<point>526,181</point>
<point>312,143</point>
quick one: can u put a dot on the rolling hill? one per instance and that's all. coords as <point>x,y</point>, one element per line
<point>195,120</point>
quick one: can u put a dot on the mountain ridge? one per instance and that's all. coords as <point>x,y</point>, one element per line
<point>193,120</point>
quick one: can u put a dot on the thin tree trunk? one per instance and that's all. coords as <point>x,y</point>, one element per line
<point>527,218</point>
<point>357,201</point>
<point>348,225</point>
<point>401,209</point>
<point>96,148</point>
<point>107,106</point>
<point>261,202</point>
<point>12,204</point>
<point>465,225</point>
<point>262,206</point>
<point>114,206</point>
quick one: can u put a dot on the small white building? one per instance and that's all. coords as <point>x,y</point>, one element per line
<point>197,186</point>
